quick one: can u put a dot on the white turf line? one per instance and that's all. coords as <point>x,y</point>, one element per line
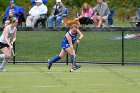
<point>32,72</point>
<point>52,86</point>
<point>47,86</point>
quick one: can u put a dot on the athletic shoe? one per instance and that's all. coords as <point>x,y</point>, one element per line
<point>49,64</point>
<point>77,66</point>
<point>3,70</point>
<point>71,70</point>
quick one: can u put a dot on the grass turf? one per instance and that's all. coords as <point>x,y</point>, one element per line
<point>35,78</point>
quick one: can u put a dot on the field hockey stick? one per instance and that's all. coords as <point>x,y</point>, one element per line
<point>76,48</point>
<point>14,54</point>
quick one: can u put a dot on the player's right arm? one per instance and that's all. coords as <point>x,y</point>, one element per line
<point>80,36</point>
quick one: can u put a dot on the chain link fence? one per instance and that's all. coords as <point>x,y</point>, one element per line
<point>96,47</point>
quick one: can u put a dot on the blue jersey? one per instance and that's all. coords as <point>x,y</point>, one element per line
<point>65,43</point>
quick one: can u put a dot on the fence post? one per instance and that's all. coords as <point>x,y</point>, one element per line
<point>67,59</point>
<point>14,49</point>
<point>122,48</point>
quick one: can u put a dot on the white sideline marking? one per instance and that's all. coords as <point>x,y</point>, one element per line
<point>35,72</point>
<point>101,84</point>
<point>47,86</point>
<point>56,71</point>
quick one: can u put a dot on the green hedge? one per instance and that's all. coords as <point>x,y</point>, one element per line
<point>128,6</point>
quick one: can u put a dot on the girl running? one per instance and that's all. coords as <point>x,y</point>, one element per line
<point>9,33</point>
<point>67,47</point>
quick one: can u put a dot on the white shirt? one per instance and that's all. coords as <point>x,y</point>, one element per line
<point>38,10</point>
<point>10,33</point>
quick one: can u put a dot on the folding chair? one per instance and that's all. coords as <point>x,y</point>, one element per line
<point>136,22</point>
<point>109,20</point>
<point>138,17</point>
<point>21,16</point>
<point>66,12</point>
<point>89,21</point>
<point>42,21</point>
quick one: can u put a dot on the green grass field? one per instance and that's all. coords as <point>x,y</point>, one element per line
<point>35,78</point>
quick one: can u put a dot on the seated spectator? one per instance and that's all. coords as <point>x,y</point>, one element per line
<point>34,3</point>
<point>57,14</point>
<point>10,15</point>
<point>13,8</point>
<point>87,13</point>
<point>101,13</point>
<point>43,19</point>
<point>35,13</point>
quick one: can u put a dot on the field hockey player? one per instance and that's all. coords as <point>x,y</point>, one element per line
<point>67,47</point>
<point>9,33</point>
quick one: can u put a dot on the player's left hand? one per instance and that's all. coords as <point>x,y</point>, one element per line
<point>78,41</point>
<point>12,43</point>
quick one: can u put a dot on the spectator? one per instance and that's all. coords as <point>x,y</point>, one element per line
<point>10,15</point>
<point>57,12</point>
<point>13,8</point>
<point>34,3</point>
<point>35,13</point>
<point>87,13</point>
<point>101,13</point>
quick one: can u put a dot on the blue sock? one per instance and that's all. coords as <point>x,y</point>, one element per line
<point>73,60</point>
<point>56,58</point>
